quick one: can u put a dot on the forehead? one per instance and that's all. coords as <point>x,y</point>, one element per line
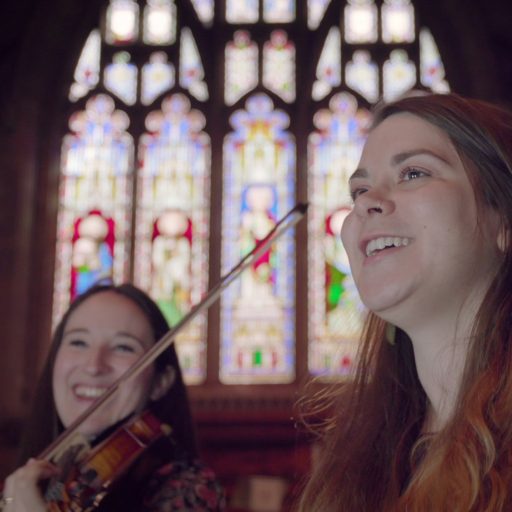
<point>405,132</point>
<point>110,310</point>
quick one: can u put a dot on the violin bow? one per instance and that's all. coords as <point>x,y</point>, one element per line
<point>288,221</point>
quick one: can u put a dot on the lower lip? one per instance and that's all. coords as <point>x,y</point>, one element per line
<point>382,254</point>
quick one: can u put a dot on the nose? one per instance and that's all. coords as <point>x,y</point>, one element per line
<point>374,202</point>
<point>96,362</point>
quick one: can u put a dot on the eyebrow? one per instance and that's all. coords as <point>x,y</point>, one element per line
<point>399,158</point>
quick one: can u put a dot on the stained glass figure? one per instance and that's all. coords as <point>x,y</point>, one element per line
<point>120,78</point>
<point>362,75</point>
<point>279,65</point>
<point>328,70</point>
<point>87,71</point>
<point>159,22</point>
<point>257,311</point>
<point>191,67</point>
<point>278,11</point>
<point>316,11</point>
<point>399,75</point>
<point>335,310</point>
<point>360,21</point>
<point>157,77</point>
<point>398,21</point>
<point>122,25</point>
<point>431,66</point>
<point>242,11</point>
<point>172,221</point>
<point>204,10</point>
<point>241,72</point>
<point>94,201</point>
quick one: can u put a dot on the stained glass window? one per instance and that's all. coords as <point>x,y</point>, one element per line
<point>431,65</point>
<point>278,11</point>
<point>191,67</point>
<point>171,239</point>
<point>328,70</point>
<point>121,78</point>
<point>279,65</point>
<point>241,66</point>
<point>257,311</point>
<point>398,21</point>
<point>94,201</point>
<point>360,21</point>
<point>336,312</point>
<point>316,11</point>
<point>122,22</point>
<point>87,71</point>
<point>160,22</point>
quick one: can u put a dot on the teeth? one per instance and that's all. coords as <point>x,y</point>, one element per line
<point>385,241</point>
<point>89,391</point>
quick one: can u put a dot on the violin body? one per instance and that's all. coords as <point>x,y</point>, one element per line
<point>86,483</point>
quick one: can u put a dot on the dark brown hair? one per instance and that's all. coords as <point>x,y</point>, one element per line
<point>373,457</point>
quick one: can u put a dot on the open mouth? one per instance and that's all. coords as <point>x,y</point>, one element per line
<point>89,392</point>
<point>385,242</point>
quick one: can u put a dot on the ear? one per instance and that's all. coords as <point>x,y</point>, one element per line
<point>163,381</point>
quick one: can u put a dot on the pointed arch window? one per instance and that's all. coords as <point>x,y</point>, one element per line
<point>194,125</point>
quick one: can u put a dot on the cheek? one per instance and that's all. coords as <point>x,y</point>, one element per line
<point>349,237</point>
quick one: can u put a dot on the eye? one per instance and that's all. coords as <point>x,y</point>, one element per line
<point>356,192</point>
<point>77,343</point>
<point>412,173</point>
<point>125,348</point>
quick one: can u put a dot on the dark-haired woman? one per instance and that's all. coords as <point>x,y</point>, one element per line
<point>102,334</point>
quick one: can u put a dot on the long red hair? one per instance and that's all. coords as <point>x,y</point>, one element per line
<point>373,456</point>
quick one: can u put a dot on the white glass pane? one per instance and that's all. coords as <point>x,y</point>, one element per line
<point>204,9</point>
<point>360,21</point>
<point>242,11</point>
<point>316,11</point>
<point>278,11</point>
<point>399,75</point>
<point>121,78</point>
<point>122,21</point>
<point>328,71</point>
<point>87,70</point>
<point>362,75</point>
<point>160,22</point>
<point>191,67</point>
<point>431,65</point>
<point>157,77</point>
<point>398,21</point>
<point>279,65</point>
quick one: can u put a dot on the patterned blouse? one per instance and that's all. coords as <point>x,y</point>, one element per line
<point>185,487</point>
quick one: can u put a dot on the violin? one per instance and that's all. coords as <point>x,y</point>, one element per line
<point>88,474</point>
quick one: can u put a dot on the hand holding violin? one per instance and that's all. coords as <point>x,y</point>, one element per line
<point>22,491</point>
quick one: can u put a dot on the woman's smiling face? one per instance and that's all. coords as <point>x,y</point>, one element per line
<point>416,242</point>
<point>102,338</point>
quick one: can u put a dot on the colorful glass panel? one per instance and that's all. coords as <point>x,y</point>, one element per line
<point>362,75</point>
<point>241,75</point>
<point>278,11</point>
<point>191,67</point>
<point>87,71</point>
<point>335,310</point>
<point>399,75</point>
<point>204,10</point>
<point>94,201</point>
<point>328,70</point>
<point>157,77</point>
<point>171,239</point>
<point>242,11</point>
<point>160,22</point>
<point>121,78</point>
<point>360,21</point>
<point>431,65</point>
<point>279,65</point>
<point>122,24</point>
<point>257,311</point>
<point>316,11</point>
<point>398,21</point>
